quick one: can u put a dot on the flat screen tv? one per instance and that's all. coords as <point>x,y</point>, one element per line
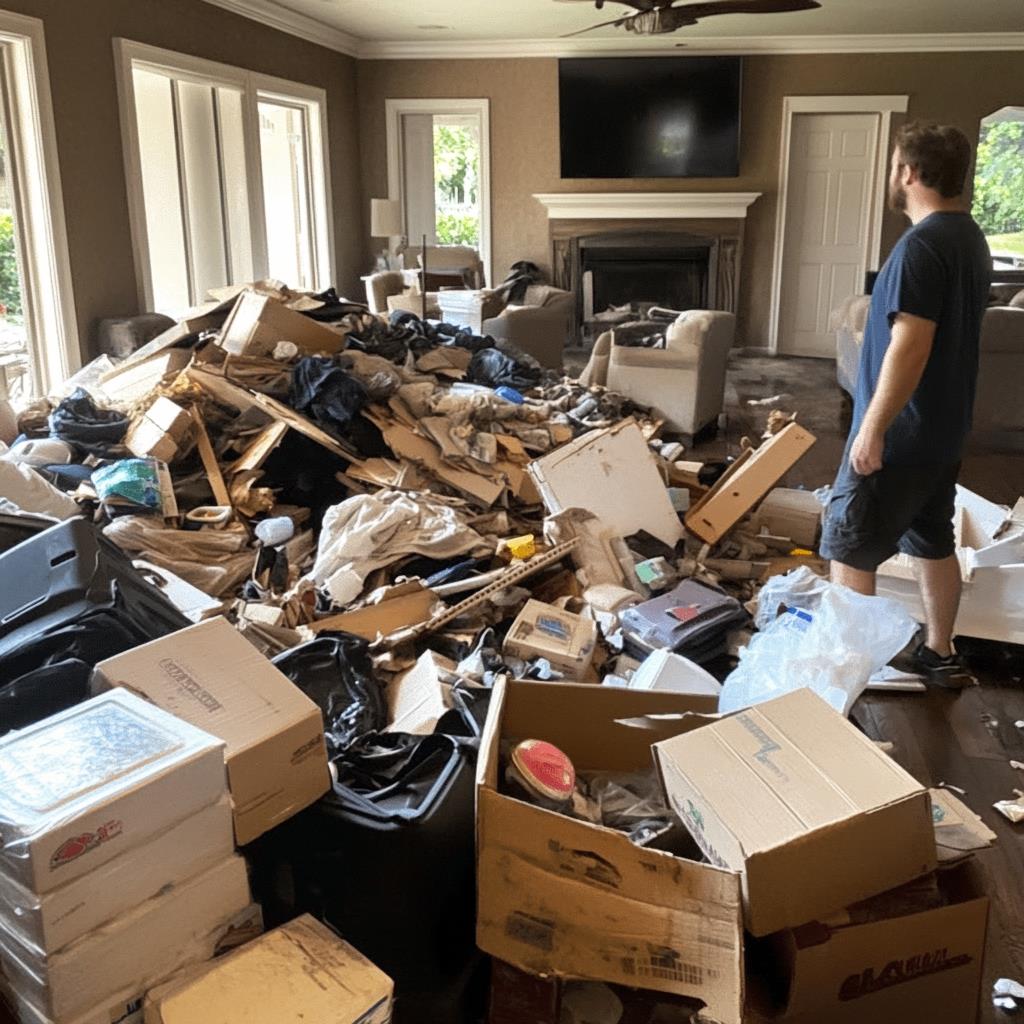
<point>650,117</point>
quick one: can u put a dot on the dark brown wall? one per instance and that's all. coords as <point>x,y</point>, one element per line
<point>957,88</point>
<point>80,54</point>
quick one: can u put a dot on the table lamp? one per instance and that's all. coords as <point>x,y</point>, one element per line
<point>386,222</point>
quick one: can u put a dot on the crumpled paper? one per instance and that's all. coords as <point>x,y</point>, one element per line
<point>1006,993</point>
<point>1012,809</point>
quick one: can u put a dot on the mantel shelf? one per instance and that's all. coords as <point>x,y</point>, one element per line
<point>646,205</point>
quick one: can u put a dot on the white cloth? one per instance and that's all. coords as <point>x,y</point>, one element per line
<point>369,531</point>
<point>23,486</point>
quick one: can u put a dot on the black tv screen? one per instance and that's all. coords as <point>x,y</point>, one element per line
<point>650,117</point>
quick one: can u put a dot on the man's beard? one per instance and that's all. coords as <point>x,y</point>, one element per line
<point>897,198</point>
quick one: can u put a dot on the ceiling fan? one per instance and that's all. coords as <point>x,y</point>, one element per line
<point>656,17</point>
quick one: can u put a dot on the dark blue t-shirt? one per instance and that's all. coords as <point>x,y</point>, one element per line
<point>940,270</point>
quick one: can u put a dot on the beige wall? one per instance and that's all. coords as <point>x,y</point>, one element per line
<point>81,60</point>
<point>958,88</point>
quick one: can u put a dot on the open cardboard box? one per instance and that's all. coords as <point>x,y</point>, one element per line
<point>990,548</point>
<point>562,897</point>
<point>920,967</point>
<point>805,806</point>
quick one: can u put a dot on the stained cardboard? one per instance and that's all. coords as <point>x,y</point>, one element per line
<point>805,806</point>
<point>613,474</point>
<point>739,491</point>
<point>211,676</point>
<point>407,604</point>
<point>559,896</point>
<point>257,323</point>
<point>926,966</point>
<point>300,973</point>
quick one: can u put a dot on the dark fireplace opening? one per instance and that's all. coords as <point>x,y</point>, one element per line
<point>637,271</point>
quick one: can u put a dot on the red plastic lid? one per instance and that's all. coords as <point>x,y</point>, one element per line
<point>545,768</point>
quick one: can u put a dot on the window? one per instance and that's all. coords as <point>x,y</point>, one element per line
<point>38,333</point>
<point>227,177</point>
<point>439,167</point>
<point>999,186</point>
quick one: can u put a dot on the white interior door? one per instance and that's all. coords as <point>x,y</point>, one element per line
<point>832,161</point>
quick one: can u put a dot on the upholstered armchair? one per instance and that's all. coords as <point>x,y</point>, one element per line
<point>538,326</point>
<point>387,291</point>
<point>684,382</point>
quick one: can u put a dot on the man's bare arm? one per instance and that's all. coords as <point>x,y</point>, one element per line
<point>902,367</point>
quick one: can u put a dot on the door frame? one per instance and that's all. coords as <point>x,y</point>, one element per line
<point>883,107</point>
<point>393,111</point>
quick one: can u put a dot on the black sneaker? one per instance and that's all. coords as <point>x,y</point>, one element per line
<point>949,673</point>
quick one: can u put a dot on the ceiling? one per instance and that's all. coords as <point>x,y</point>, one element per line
<point>385,28</point>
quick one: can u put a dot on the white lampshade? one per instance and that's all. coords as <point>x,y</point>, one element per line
<point>385,218</point>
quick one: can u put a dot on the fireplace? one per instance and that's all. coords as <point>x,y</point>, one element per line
<point>640,270</point>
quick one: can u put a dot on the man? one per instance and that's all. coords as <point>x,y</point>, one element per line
<point>915,393</point>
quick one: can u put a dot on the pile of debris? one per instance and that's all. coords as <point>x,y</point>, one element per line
<point>422,593</point>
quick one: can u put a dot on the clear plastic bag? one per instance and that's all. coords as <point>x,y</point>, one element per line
<point>829,640</point>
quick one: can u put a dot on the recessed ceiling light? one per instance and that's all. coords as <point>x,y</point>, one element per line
<point>434,28</point>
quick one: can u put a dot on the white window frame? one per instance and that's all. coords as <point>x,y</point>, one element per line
<point>394,109</point>
<point>255,88</point>
<point>38,200</point>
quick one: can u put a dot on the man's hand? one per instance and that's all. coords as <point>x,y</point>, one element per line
<point>866,452</point>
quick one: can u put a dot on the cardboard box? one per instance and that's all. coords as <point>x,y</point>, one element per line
<point>811,812</point>
<point>300,973</point>
<point>86,785</point>
<point>162,432</point>
<point>748,480</point>
<point>135,950</point>
<point>257,323</point>
<point>541,630</point>
<point>211,676</point>
<point>47,923</point>
<point>613,474</point>
<point>922,967</point>
<point>558,896</point>
<point>787,512</point>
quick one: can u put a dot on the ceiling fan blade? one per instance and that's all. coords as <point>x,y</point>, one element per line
<point>716,7</point>
<point>600,24</point>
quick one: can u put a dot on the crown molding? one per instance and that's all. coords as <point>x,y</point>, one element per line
<point>274,15</point>
<point>459,49</point>
<point>651,205</point>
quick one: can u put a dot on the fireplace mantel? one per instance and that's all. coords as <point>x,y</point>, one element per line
<point>646,205</point>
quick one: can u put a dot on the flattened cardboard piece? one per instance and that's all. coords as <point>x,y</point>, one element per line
<point>738,492</point>
<point>206,317</point>
<point>783,790</point>
<point>926,966</point>
<point>132,380</point>
<point>416,698</point>
<point>300,972</point>
<point>257,323</point>
<point>562,897</point>
<point>192,602</point>
<point>410,605</point>
<point>959,832</point>
<point>211,676</point>
<point>613,474</point>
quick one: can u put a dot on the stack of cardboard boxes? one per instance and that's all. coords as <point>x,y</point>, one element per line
<point>788,815</point>
<point>118,862</point>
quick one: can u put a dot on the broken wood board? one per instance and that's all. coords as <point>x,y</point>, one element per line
<point>745,484</point>
<point>220,491</point>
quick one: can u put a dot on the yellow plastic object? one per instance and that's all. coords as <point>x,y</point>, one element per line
<point>522,547</point>
<point>801,553</point>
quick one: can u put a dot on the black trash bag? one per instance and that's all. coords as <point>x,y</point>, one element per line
<point>522,274</point>
<point>334,307</point>
<point>90,429</point>
<point>43,692</point>
<point>327,393</point>
<point>336,673</point>
<point>495,369</point>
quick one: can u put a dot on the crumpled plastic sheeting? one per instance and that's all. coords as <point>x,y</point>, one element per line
<point>1012,809</point>
<point>30,492</point>
<point>378,375</point>
<point>79,421</point>
<point>215,561</point>
<point>369,531</point>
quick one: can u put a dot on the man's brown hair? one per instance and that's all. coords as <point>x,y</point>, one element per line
<point>940,153</point>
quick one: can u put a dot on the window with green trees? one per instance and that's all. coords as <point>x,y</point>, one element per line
<point>999,184</point>
<point>456,182</point>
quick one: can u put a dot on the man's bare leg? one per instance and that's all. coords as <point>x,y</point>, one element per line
<point>939,579</point>
<point>856,579</point>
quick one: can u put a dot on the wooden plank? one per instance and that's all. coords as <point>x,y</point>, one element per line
<point>221,493</point>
